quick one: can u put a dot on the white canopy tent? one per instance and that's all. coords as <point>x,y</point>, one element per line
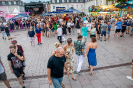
<point>15,12</point>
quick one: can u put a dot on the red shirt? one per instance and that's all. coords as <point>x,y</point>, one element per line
<point>66,18</point>
<point>56,18</point>
<point>52,18</point>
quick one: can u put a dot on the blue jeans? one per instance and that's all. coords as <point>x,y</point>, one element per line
<point>57,82</point>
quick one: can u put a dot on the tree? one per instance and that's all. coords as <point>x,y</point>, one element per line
<point>118,0</point>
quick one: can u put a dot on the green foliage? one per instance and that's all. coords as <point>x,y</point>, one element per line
<point>117,0</point>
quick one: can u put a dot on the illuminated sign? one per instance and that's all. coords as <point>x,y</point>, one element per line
<point>60,9</point>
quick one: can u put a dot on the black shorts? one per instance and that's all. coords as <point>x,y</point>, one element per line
<point>98,32</point>
<point>18,72</point>
<point>3,76</point>
<point>123,30</point>
<point>23,63</point>
<point>92,36</point>
<point>117,30</point>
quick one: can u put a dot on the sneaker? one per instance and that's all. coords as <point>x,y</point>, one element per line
<point>23,77</point>
<point>120,35</point>
<point>104,40</point>
<point>23,87</point>
<point>5,38</point>
<point>8,39</point>
<point>38,43</point>
<point>100,40</point>
<point>126,33</point>
<point>78,73</point>
<point>11,38</point>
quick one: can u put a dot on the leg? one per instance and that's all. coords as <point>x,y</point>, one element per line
<point>39,37</point>
<point>20,81</point>
<point>101,37</point>
<point>91,70</point>
<point>80,63</point>
<point>56,82</point>
<point>6,82</point>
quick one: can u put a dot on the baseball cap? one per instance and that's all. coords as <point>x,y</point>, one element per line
<point>14,41</point>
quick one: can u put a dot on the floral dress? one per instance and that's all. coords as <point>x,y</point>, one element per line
<point>70,62</point>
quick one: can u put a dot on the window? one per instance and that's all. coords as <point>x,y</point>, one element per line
<point>3,3</point>
<point>53,7</point>
<point>67,6</point>
<point>63,1</point>
<point>81,0</point>
<point>77,0</point>
<point>53,1</point>
<point>81,6</point>
<point>14,2</point>
<point>9,3</point>
<point>77,6</point>
<point>71,0</point>
<point>72,5</point>
<point>67,0</point>
<point>57,1</point>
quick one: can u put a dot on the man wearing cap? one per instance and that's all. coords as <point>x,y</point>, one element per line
<point>38,34</point>
<point>19,48</point>
<point>15,59</point>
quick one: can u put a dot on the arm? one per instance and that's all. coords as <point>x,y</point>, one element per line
<point>49,75</point>
<point>83,52</point>
<point>87,49</point>
<point>10,66</point>
<point>19,57</point>
<point>2,64</point>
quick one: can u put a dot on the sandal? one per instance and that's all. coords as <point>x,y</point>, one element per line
<point>62,85</point>
<point>74,78</point>
<point>91,74</point>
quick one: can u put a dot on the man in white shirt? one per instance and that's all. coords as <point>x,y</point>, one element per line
<point>61,20</point>
<point>86,21</point>
<point>59,34</point>
<point>89,25</point>
<point>3,76</point>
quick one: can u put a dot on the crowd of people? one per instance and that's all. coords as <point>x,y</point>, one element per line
<point>62,59</point>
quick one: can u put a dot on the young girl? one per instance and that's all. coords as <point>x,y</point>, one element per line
<point>7,32</point>
<point>31,35</point>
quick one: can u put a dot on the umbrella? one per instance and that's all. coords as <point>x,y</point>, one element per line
<point>20,16</point>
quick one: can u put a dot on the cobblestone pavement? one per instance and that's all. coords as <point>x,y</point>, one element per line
<point>112,52</point>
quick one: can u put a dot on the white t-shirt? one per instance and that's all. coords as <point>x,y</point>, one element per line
<point>86,22</point>
<point>1,67</point>
<point>72,24</point>
<point>89,26</point>
<point>59,30</point>
<point>60,21</point>
<point>68,24</point>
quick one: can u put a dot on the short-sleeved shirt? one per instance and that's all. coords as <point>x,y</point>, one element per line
<point>2,28</point>
<point>78,47</point>
<point>124,27</point>
<point>129,23</point>
<point>119,25</point>
<point>38,30</point>
<point>104,27</point>
<point>1,67</point>
<point>83,18</point>
<point>15,61</point>
<point>59,30</point>
<point>84,31</point>
<point>56,64</point>
<point>31,33</point>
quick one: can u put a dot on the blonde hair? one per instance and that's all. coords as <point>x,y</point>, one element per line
<point>57,44</point>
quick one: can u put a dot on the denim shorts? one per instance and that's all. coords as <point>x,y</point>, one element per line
<point>52,30</point>
<point>103,33</point>
<point>8,34</point>
<point>108,32</point>
<point>57,82</point>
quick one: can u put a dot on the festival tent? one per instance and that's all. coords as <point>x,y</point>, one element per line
<point>74,10</point>
<point>15,12</point>
<point>20,16</point>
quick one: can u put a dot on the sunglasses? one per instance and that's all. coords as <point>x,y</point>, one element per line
<point>61,54</point>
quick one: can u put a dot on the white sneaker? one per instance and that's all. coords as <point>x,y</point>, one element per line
<point>129,77</point>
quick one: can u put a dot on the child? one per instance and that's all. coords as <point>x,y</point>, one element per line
<point>7,32</point>
<point>59,34</point>
<point>31,34</point>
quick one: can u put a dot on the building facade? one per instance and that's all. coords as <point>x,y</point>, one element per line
<point>81,5</point>
<point>8,6</point>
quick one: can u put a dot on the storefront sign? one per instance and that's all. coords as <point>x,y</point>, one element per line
<point>60,9</point>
